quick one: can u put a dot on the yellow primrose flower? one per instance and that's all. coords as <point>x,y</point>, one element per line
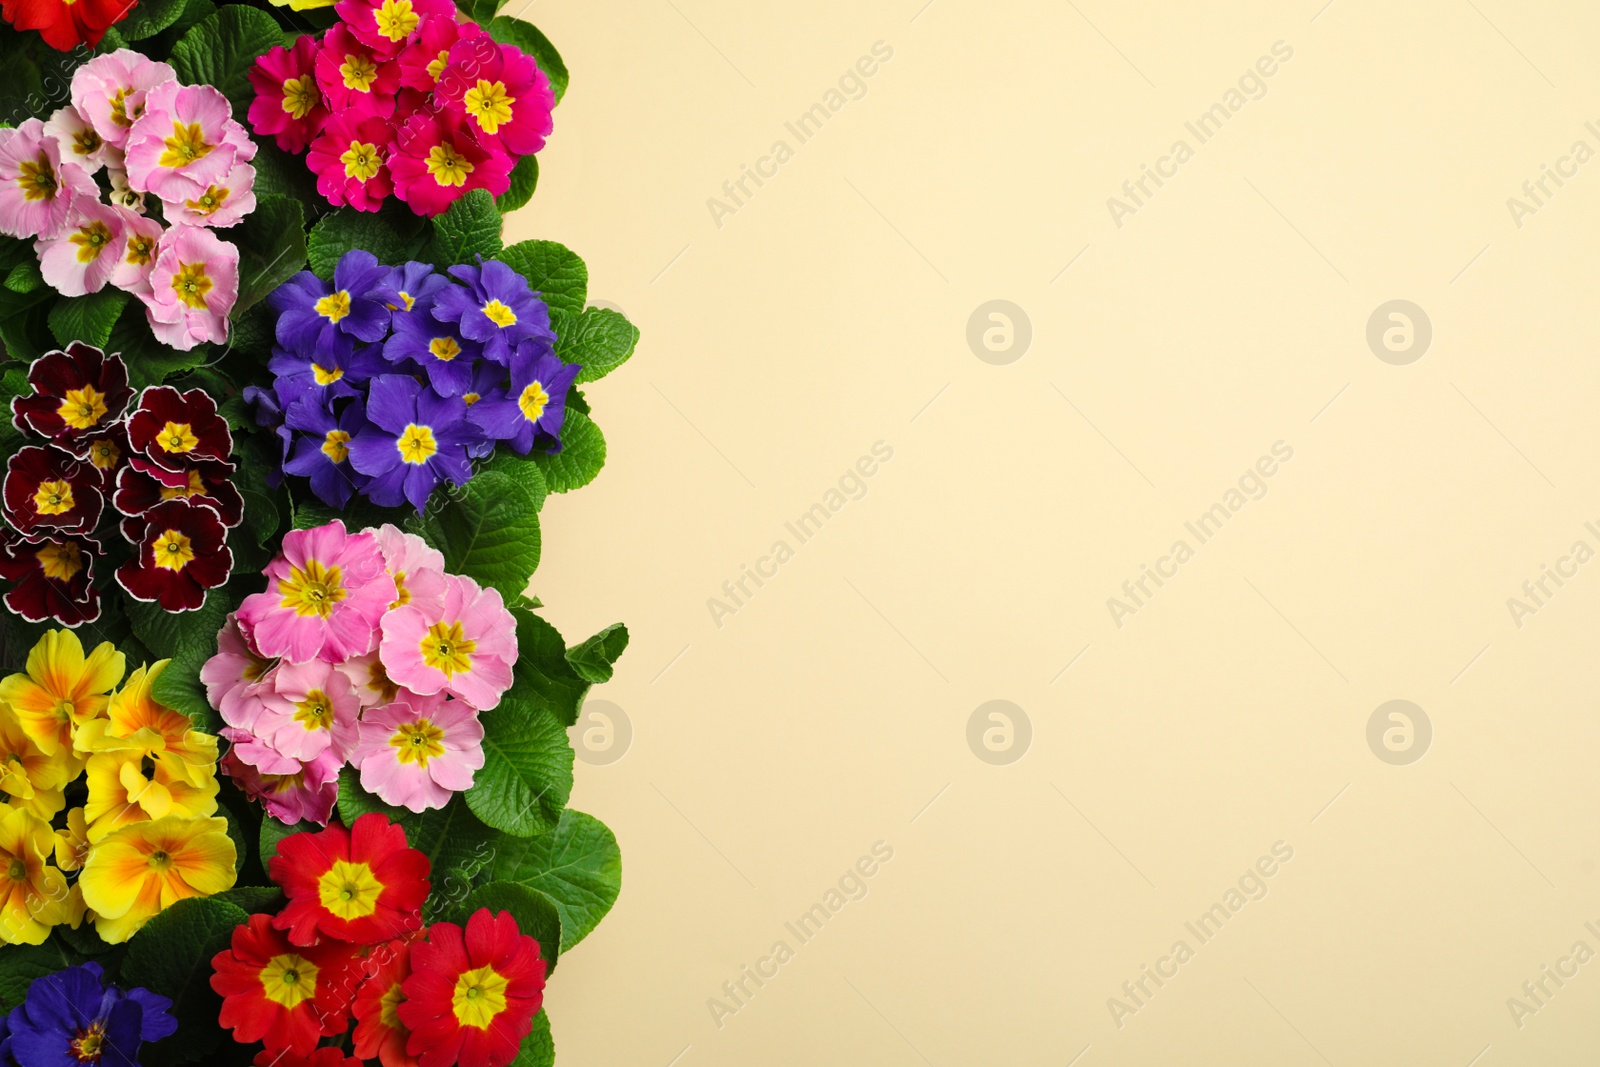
<point>29,778</point>
<point>135,872</point>
<point>62,688</point>
<point>33,897</point>
<point>136,722</point>
<point>125,787</point>
<point>303,5</point>
<point>72,842</point>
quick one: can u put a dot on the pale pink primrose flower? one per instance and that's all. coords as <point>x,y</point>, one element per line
<point>109,91</point>
<point>416,753</point>
<point>79,142</point>
<point>141,244</point>
<point>257,753</point>
<point>193,285</point>
<point>185,142</point>
<point>326,591</point>
<point>305,795</point>
<point>37,189</point>
<point>372,683</point>
<point>222,203</point>
<point>233,674</point>
<point>301,705</point>
<point>466,648</point>
<point>86,253</point>
<point>417,569</point>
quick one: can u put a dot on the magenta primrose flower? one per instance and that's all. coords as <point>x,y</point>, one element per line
<point>326,592</point>
<point>465,648</point>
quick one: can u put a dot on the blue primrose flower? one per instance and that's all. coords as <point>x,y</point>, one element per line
<point>313,313</point>
<point>488,386</point>
<point>414,438</point>
<point>437,348</point>
<point>417,284</point>
<point>332,370</point>
<point>494,306</point>
<point>534,407</point>
<point>73,1017</point>
<point>321,447</point>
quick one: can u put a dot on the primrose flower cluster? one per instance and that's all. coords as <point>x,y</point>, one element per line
<point>141,832</point>
<point>350,942</point>
<point>153,470</point>
<point>123,187</point>
<point>400,98</point>
<point>75,1017</point>
<point>362,650</point>
<point>389,380</point>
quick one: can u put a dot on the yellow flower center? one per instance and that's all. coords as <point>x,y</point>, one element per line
<point>416,444</point>
<point>289,980</point>
<point>119,109</point>
<point>315,712</point>
<point>446,647</point>
<point>82,408</point>
<point>86,142</point>
<point>444,348</point>
<point>37,178</point>
<point>336,445</point>
<point>54,497</point>
<point>436,68</point>
<point>177,437</point>
<point>326,375</point>
<point>471,398</point>
<point>300,95</point>
<point>103,454</point>
<point>88,1044</point>
<point>173,551</point>
<point>402,595</point>
<point>405,298</point>
<point>417,742</point>
<point>194,487</point>
<point>361,160</point>
<point>140,250</point>
<point>480,996</point>
<point>389,1007</point>
<point>499,314</point>
<point>60,562</point>
<point>349,890</point>
<point>210,201</point>
<point>396,20</point>
<point>334,306</point>
<point>187,144</point>
<point>313,590</point>
<point>91,241</point>
<point>191,284</point>
<point>448,167</point>
<point>358,72</point>
<point>532,402</point>
<point>490,104</point>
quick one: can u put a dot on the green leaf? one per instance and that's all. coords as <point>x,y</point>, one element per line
<point>468,229</point>
<point>255,899</point>
<point>527,37</point>
<point>273,832</point>
<point>21,964</point>
<point>178,686</point>
<point>149,361</point>
<point>593,659</point>
<point>583,453</point>
<point>536,914</point>
<point>553,270</point>
<point>272,247</point>
<point>394,235</point>
<point>542,673</point>
<point>89,319</point>
<point>524,180</point>
<point>601,340</point>
<point>166,633</point>
<point>278,173</point>
<point>160,46</point>
<point>149,17</point>
<point>578,866</point>
<point>488,529</point>
<point>526,776</point>
<point>220,50</point>
<point>171,955</point>
<point>538,1048</point>
<point>25,278</point>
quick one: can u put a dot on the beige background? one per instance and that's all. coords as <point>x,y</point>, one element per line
<point>830,312</point>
